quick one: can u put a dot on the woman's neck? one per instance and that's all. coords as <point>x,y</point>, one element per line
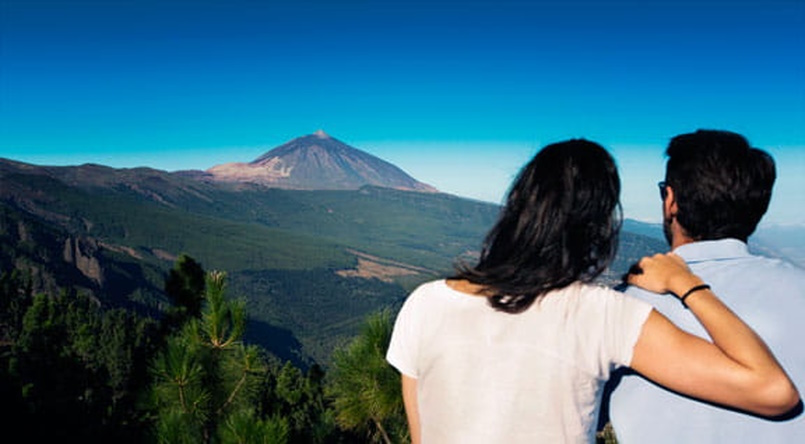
<point>467,287</point>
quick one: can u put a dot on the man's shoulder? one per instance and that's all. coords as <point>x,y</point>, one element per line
<point>731,256</point>
<point>779,267</point>
<point>753,271</point>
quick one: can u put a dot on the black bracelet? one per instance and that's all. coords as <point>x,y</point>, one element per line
<point>691,291</point>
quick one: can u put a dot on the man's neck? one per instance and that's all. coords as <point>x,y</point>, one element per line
<point>679,236</point>
<point>678,241</point>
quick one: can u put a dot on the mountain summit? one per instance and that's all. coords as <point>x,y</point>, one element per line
<point>318,162</point>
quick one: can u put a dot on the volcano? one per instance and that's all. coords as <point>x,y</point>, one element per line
<point>317,162</point>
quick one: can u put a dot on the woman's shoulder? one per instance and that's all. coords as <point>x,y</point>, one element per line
<point>434,286</point>
<point>442,292</point>
<point>587,290</point>
<point>599,295</point>
<point>428,290</point>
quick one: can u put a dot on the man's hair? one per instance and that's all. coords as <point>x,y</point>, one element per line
<point>721,184</point>
<point>559,225</point>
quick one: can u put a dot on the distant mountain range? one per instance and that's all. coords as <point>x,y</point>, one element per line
<point>314,235</point>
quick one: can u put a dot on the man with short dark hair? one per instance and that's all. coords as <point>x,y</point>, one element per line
<point>716,190</point>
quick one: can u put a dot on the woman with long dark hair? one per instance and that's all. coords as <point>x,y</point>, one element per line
<point>517,348</point>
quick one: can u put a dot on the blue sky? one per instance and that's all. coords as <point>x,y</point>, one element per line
<point>459,94</point>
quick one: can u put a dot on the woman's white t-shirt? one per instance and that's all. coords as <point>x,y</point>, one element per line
<point>485,376</point>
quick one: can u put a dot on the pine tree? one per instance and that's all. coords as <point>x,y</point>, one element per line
<point>185,286</point>
<point>364,388</point>
<point>206,381</point>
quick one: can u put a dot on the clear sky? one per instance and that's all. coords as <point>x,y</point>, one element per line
<point>457,93</point>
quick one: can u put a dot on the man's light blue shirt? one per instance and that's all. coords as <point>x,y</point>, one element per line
<point>769,295</point>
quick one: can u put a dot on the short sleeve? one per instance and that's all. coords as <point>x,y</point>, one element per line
<point>403,349</point>
<point>624,319</point>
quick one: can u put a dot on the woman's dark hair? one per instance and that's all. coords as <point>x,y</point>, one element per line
<point>722,186</point>
<point>559,225</point>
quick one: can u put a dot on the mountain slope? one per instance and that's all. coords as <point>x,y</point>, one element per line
<point>317,162</point>
<point>115,233</point>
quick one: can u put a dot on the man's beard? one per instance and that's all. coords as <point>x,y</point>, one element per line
<point>666,228</point>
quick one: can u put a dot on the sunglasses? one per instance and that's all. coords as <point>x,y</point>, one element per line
<point>663,189</point>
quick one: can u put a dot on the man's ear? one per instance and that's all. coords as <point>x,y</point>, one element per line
<point>669,204</point>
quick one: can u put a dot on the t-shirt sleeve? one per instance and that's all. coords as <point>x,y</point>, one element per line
<point>403,348</point>
<point>625,316</point>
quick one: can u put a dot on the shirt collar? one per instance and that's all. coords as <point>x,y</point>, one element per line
<point>712,250</point>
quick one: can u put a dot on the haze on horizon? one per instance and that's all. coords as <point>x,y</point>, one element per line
<point>457,94</point>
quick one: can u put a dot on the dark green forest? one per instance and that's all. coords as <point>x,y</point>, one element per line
<point>71,369</point>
